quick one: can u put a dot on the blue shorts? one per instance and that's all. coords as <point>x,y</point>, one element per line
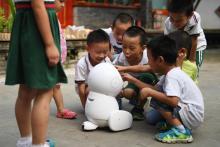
<point>153,116</point>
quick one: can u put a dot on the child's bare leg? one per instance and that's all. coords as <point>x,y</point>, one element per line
<point>141,102</point>
<point>168,116</point>
<point>86,95</point>
<point>129,93</point>
<point>23,110</point>
<point>137,111</point>
<point>40,114</point>
<point>58,97</point>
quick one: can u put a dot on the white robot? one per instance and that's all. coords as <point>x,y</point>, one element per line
<point>101,109</point>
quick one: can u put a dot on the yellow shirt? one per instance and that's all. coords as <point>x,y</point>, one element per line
<point>190,69</point>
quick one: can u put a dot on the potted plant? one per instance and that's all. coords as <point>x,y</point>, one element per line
<point>6,22</point>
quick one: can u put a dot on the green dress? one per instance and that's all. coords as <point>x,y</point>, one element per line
<point>27,61</point>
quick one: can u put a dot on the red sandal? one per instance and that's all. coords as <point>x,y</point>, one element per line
<point>66,114</point>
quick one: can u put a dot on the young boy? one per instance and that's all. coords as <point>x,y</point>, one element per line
<point>98,47</point>
<point>183,17</point>
<point>134,53</point>
<point>120,24</point>
<point>176,98</point>
<point>184,44</point>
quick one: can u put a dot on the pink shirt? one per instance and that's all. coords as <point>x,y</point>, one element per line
<point>62,45</point>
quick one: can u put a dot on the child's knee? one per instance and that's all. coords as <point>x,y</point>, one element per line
<point>26,93</point>
<point>129,93</point>
<point>46,95</point>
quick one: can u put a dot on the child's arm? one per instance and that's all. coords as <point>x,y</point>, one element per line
<point>138,83</point>
<point>161,97</point>
<point>43,24</point>
<point>134,68</point>
<point>83,93</point>
<point>192,56</point>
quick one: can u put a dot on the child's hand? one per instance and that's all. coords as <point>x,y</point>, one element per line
<point>145,93</point>
<point>127,77</point>
<point>120,68</point>
<point>52,55</point>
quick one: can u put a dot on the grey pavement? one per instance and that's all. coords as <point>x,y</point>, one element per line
<point>68,133</point>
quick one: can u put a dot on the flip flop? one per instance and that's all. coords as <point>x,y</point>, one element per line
<point>66,114</point>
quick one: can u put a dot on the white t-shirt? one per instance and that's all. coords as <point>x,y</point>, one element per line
<point>193,27</point>
<point>177,83</point>
<point>115,45</point>
<point>83,67</point>
<point>122,61</point>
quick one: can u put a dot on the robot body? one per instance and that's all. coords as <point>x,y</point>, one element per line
<point>101,108</point>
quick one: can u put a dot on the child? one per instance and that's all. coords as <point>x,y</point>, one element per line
<point>35,65</point>
<point>134,53</point>
<point>57,94</point>
<point>184,44</point>
<point>98,47</point>
<point>175,98</point>
<point>183,17</point>
<point>120,24</point>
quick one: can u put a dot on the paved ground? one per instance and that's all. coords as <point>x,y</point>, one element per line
<point>67,133</point>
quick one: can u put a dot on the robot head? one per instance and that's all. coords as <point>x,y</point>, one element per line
<point>104,78</point>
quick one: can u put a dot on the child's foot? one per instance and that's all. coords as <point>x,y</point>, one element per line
<point>66,114</point>
<point>137,113</point>
<point>50,143</point>
<point>175,136</point>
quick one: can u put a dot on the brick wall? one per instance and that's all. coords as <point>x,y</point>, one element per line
<point>95,18</point>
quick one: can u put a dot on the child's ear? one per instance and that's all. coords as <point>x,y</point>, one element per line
<point>161,59</point>
<point>182,52</point>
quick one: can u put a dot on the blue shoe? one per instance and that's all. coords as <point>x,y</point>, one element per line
<point>50,142</point>
<point>174,136</point>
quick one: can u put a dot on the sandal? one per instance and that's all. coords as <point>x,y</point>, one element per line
<point>66,114</point>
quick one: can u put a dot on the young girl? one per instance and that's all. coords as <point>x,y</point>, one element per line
<point>33,62</point>
<point>57,94</point>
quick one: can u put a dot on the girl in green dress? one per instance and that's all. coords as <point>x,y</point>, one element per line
<point>34,64</point>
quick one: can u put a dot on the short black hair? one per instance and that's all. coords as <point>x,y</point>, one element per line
<point>135,31</point>
<point>165,47</point>
<point>123,18</point>
<point>181,6</point>
<point>182,39</point>
<point>98,36</point>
